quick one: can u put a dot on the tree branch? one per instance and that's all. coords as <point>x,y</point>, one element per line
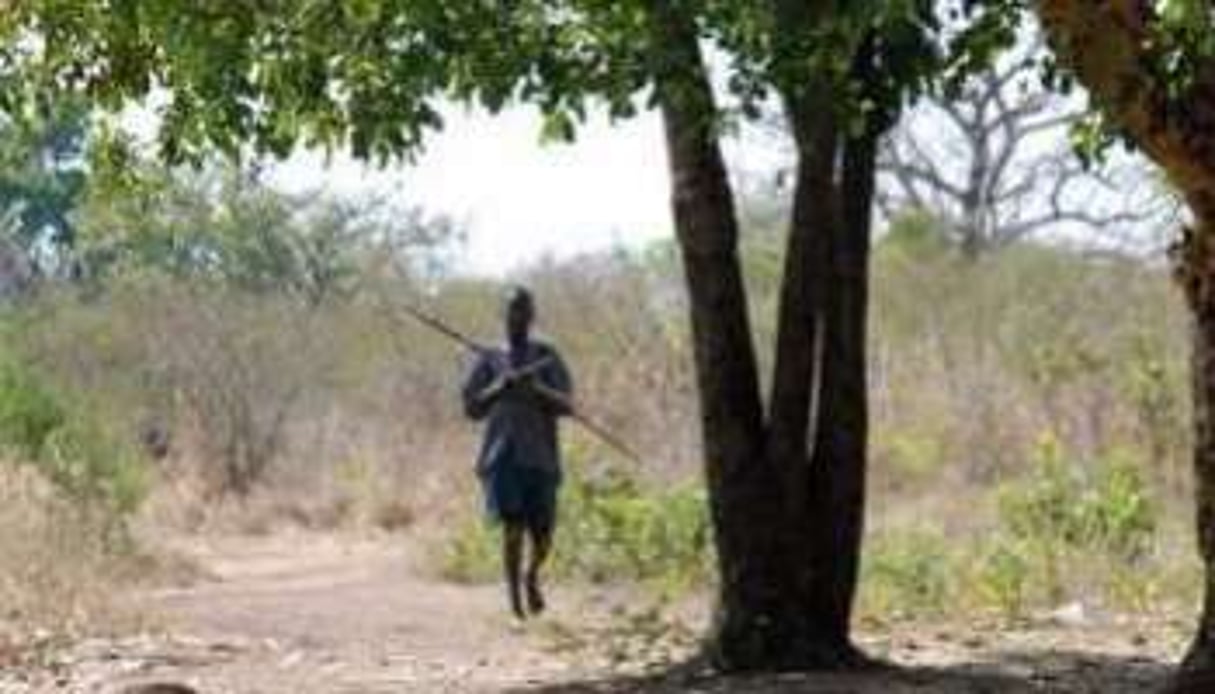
<point>1107,45</point>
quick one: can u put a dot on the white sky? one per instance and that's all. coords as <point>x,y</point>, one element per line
<point>518,199</point>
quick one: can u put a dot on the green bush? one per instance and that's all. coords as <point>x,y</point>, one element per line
<point>29,411</point>
<point>1003,573</point>
<point>1108,509</point>
<point>91,466</point>
<point>617,529</point>
<point>611,528</point>
<point>68,444</point>
<point>908,574</point>
<point>471,553</point>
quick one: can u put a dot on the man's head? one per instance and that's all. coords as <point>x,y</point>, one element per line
<point>520,311</point>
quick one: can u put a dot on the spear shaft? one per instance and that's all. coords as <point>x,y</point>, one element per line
<point>441,327</point>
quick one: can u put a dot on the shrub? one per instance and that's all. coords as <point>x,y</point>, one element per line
<point>618,529</point>
<point>69,446</point>
<point>1059,503</point>
<point>91,466</point>
<point>613,528</point>
<point>29,412</point>
<point>471,553</point>
<point>907,574</point>
<point>57,573</point>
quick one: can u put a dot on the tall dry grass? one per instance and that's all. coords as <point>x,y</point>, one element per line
<point>58,572</point>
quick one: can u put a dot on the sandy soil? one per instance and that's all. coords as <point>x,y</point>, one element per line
<point>308,613</point>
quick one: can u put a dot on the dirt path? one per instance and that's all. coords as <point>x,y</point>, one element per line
<point>289,614</point>
<point>311,614</point>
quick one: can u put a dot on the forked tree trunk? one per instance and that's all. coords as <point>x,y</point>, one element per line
<point>786,518</point>
<point>797,374</point>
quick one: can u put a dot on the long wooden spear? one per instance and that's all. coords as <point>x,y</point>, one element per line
<point>441,327</point>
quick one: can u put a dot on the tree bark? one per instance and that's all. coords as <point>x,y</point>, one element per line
<point>840,450</point>
<point>833,522</point>
<point>1196,271</point>
<point>742,483</point>
<point>798,375</point>
<point>787,515</point>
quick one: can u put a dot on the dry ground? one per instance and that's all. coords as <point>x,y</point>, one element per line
<point>313,613</point>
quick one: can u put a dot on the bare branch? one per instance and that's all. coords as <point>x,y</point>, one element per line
<point>1004,174</point>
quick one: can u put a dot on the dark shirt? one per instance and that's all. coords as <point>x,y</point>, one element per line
<point>521,423</point>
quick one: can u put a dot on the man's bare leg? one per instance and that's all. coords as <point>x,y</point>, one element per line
<point>512,560</point>
<point>542,542</point>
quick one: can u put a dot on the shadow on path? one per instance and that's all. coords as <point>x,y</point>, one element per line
<point>1040,671</point>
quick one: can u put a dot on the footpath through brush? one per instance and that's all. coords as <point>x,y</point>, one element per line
<point>312,614</point>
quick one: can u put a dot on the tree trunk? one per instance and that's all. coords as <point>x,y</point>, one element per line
<point>787,519</point>
<point>841,434</point>
<point>744,494</point>
<point>1196,273</point>
<point>818,407</point>
<point>798,372</point>
<point>1107,46</point>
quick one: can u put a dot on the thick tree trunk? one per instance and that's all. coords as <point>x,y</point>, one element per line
<point>744,493</point>
<point>787,520</point>
<point>1196,273</point>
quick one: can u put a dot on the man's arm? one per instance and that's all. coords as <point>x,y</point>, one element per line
<point>545,379</point>
<point>557,386</point>
<point>482,388</point>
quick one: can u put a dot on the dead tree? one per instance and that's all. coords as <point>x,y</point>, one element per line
<point>995,164</point>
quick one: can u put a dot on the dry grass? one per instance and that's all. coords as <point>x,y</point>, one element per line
<point>57,573</point>
<point>355,414</point>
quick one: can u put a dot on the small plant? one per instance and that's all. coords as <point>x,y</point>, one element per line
<point>1002,578</point>
<point>472,553</point>
<point>90,466</point>
<point>29,411</point>
<point>908,574</point>
<point>1059,504</point>
<point>1153,387</point>
<point>1119,513</point>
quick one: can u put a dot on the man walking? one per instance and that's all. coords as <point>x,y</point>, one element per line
<point>520,390</point>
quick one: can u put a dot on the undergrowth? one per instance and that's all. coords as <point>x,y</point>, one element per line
<point>612,527</point>
<point>1069,531</point>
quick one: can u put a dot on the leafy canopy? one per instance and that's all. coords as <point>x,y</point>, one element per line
<point>42,176</point>
<point>373,76</point>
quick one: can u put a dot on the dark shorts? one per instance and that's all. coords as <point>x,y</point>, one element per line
<point>521,494</point>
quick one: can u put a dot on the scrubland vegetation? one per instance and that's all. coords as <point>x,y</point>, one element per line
<point>233,360</point>
<point>1028,452</point>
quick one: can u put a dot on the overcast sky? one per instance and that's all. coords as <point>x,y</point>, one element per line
<point>518,199</point>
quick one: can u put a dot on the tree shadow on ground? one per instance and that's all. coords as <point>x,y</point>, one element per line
<point>1024,671</point>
